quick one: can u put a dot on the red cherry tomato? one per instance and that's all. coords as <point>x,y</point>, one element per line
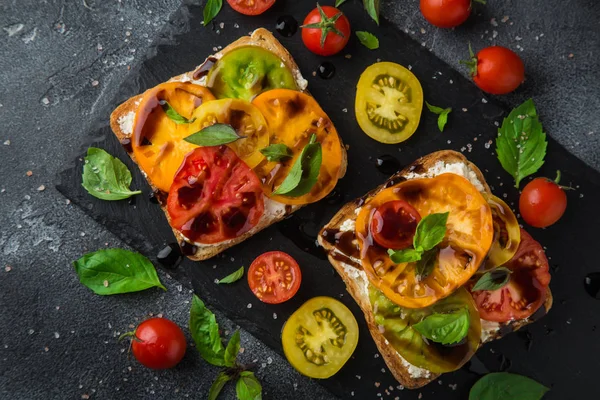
<point>251,7</point>
<point>542,202</point>
<point>274,277</point>
<point>326,31</point>
<point>158,343</point>
<point>394,223</point>
<point>497,70</point>
<point>446,13</point>
<point>526,290</point>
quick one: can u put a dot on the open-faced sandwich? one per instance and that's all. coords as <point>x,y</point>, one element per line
<point>438,265</point>
<point>233,146</point>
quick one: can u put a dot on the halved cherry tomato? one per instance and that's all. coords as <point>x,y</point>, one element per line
<point>507,233</point>
<point>469,234</point>
<point>158,143</point>
<point>158,343</point>
<point>542,203</point>
<point>389,101</point>
<point>526,290</point>
<point>244,118</point>
<point>274,277</point>
<point>214,196</point>
<point>319,337</point>
<point>446,13</point>
<point>251,7</point>
<point>293,117</point>
<point>397,326</point>
<point>325,31</point>
<point>497,70</point>
<point>394,223</point>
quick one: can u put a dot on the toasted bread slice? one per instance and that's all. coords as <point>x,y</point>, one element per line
<point>350,270</point>
<point>122,120</point>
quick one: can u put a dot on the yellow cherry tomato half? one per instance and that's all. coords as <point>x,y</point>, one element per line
<point>507,233</point>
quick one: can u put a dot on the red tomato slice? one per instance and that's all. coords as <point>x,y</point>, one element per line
<point>215,196</point>
<point>274,277</point>
<point>394,223</point>
<point>251,7</point>
<point>526,290</point>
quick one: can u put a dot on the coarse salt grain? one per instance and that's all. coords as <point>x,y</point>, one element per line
<point>105,283</point>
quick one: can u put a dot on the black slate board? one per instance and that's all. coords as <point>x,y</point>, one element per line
<point>560,351</point>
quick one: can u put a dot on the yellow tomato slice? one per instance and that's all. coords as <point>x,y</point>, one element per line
<point>507,233</point>
<point>158,143</point>
<point>389,101</point>
<point>320,337</point>
<point>468,239</point>
<point>245,118</point>
<point>293,117</point>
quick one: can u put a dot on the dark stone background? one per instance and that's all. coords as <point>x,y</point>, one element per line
<point>61,63</point>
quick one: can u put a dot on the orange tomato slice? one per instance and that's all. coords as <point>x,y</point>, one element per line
<point>468,239</point>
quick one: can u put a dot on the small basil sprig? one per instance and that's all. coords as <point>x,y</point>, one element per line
<point>116,271</point>
<point>233,277</point>
<point>211,9</point>
<point>493,280</point>
<point>173,114</point>
<point>442,115</point>
<point>447,328</point>
<point>305,171</point>
<point>503,385</point>
<point>277,152</point>
<point>214,135</point>
<point>430,232</point>
<point>106,177</point>
<point>205,332</point>
<point>372,7</point>
<point>339,2</point>
<point>368,40</point>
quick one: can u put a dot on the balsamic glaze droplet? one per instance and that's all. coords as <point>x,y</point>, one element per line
<point>475,366</point>
<point>387,164</point>
<point>287,26</point>
<point>132,200</point>
<point>170,256</point>
<point>153,197</point>
<point>326,70</point>
<point>126,143</point>
<point>188,249</point>
<point>505,363</point>
<point>592,284</point>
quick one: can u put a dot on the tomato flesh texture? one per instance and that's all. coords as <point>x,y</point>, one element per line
<point>499,70</point>
<point>158,343</point>
<point>248,71</point>
<point>446,13</point>
<point>320,337</point>
<point>394,223</point>
<point>542,203</point>
<point>526,291</point>
<point>507,233</point>
<point>251,7</point>
<point>334,43</point>
<point>274,277</point>
<point>215,196</point>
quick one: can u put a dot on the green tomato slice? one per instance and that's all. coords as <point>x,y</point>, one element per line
<point>397,323</point>
<point>248,71</point>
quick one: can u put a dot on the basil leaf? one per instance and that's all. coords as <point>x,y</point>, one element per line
<point>116,271</point>
<point>445,328</point>
<point>233,277</point>
<point>214,135</point>
<point>426,263</point>
<point>173,114</point>
<point>442,115</point>
<point>493,280</point>
<point>405,255</point>
<point>372,7</point>
<point>339,2</point>
<point>503,385</point>
<point>431,231</point>
<point>232,349</point>
<point>305,171</point>
<point>106,177</point>
<point>521,143</point>
<point>276,152</point>
<point>218,385</point>
<point>368,40</point>
<point>211,9</point>
<point>205,332</point>
<point>248,387</point>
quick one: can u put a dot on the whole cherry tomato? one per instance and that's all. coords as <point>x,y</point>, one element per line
<point>542,202</point>
<point>251,7</point>
<point>496,69</point>
<point>446,13</point>
<point>158,343</point>
<point>326,31</point>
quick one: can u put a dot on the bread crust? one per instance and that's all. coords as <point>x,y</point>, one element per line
<point>389,354</point>
<point>261,38</point>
